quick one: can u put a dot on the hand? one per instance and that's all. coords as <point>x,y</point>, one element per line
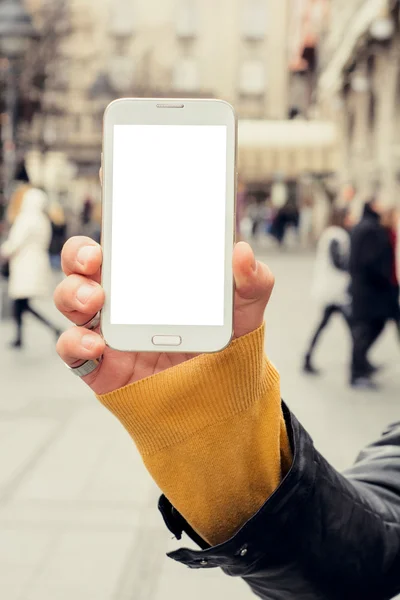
<point>79,297</point>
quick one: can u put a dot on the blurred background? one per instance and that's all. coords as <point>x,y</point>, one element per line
<point>316,87</point>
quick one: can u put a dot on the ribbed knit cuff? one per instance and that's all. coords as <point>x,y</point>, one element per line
<point>167,408</point>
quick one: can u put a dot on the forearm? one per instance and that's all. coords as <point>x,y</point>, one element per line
<point>211,434</point>
<point>218,453</point>
<point>336,536</point>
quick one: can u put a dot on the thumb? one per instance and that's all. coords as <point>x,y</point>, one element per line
<point>254,285</point>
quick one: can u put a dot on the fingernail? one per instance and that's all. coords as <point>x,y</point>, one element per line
<point>88,341</point>
<point>85,292</point>
<point>86,253</point>
<point>254,264</point>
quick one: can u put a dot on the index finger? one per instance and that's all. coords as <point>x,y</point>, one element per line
<point>83,256</point>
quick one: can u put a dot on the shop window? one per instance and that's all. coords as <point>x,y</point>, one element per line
<point>254,24</point>
<point>187,19</point>
<point>186,75</point>
<point>252,78</point>
<point>122,18</point>
<point>121,72</point>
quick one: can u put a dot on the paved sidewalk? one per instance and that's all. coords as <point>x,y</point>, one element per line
<point>78,517</point>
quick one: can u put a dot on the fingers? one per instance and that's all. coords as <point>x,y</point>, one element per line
<point>83,256</point>
<point>79,298</point>
<point>78,345</point>
<point>254,281</point>
<point>254,285</point>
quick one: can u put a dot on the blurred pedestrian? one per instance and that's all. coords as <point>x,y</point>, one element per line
<point>348,194</point>
<point>390,220</point>
<point>279,193</point>
<point>58,234</point>
<point>269,215</point>
<point>306,221</point>
<point>374,290</point>
<point>12,208</point>
<point>331,278</point>
<point>21,186</point>
<point>27,250</point>
<point>87,211</point>
<point>95,224</point>
<point>254,212</point>
<point>286,217</point>
<point>279,224</point>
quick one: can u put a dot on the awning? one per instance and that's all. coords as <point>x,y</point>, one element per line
<point>331,79</point>
<point>291,148</point>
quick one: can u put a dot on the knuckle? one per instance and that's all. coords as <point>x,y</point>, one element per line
<point>61,298</point>
<point>67,341</point>
<point>56,295</point>
<point>100,295</point>
<point>70,251</point>
<point>60,346</point>
<point>64,295</point>
<point>88,296</point>
<point>69,247</point>
<point>267,283</point>
<point>269,276</point>
<point>271,279</point>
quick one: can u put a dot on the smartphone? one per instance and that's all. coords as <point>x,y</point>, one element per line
<point>169,187</point>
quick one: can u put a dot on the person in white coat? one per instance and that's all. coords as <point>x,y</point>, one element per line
<point>331,278</point>
<point>27,250</point>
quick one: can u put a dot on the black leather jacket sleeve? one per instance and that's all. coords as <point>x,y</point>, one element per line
<point>322,535</point>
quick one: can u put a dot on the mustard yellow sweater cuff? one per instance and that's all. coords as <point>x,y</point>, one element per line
<point>169,407</point>
<point>211,433</point>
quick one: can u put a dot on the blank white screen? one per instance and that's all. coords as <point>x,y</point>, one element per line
<point>168,225</point>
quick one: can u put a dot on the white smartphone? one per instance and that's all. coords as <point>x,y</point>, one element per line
<point>169,187</point>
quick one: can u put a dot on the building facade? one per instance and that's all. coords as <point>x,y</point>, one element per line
<point>352,74</point>
<point>230,49</point>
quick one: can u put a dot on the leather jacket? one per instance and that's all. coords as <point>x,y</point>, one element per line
<point>322,535</point>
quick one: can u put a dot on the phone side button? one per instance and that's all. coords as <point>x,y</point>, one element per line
<point>167,340</point>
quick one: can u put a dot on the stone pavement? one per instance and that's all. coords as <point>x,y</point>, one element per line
<point>78,516</point>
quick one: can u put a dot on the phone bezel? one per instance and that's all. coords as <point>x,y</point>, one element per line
<point>138,338</point>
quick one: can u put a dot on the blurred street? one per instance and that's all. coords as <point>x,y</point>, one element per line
<point>315,87</point>
<point>78,512</point>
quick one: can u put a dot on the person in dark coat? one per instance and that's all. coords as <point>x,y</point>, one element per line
<point>374,301</point>
<point>390,222</point>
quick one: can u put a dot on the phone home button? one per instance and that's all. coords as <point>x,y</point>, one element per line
<point>167,340</point>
